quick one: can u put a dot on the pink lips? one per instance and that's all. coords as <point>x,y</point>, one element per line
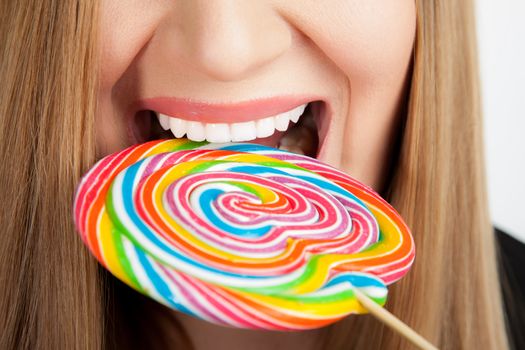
<point>224,113</point>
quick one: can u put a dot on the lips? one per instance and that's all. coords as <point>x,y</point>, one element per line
<point>294,122</point>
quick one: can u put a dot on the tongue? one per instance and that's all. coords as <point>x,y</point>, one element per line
<point>302,138</point>
<point>270,141</point>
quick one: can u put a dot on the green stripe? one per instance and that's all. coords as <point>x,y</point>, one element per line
<point>123,260</point>
<point>117,231</point>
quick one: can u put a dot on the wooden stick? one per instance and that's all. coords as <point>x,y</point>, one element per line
<point>393,322</point>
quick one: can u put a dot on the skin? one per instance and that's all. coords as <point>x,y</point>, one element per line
<point>355,54</point>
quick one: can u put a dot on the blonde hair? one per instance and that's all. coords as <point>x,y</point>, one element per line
<point>56,296</point>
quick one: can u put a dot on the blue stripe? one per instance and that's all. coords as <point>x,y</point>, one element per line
<point>248,147</point>
<point>323,184</point>
<point>159,284</point>
<point>127,192</point>
<point>206,203</point>
<point>357,280</point>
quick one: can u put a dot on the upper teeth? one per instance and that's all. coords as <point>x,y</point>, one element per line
<point>226,132</point>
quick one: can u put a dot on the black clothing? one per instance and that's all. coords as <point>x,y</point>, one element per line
<point>511,262</point>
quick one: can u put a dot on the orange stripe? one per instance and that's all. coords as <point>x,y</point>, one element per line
<point>280,316</point>
<point>100,201</point>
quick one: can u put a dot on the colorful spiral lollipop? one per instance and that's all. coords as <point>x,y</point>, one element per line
<point>241,234</point>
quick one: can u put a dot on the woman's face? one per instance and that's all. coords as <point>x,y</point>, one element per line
<point>202,62</point>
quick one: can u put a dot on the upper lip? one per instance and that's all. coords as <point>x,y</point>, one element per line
<point>243,111</point>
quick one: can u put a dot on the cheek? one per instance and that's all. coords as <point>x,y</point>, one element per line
<point>125,27</point>
<point>377,78</point>
<point>110,131</point>
<point>371,42</point>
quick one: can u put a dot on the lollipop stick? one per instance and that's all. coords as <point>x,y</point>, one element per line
<point>393,322</point>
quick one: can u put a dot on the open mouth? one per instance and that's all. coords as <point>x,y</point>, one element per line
<point>301,130</point>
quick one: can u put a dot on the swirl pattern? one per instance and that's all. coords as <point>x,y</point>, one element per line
<point>241,234</point>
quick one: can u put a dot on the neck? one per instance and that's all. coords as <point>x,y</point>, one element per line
<point>205,335</point>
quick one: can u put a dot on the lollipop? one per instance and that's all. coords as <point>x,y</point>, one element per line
<point>241,234</point>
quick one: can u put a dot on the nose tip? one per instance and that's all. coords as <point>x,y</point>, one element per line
<point>230,39</point>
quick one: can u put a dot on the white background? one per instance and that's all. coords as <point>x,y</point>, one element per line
<point>501,41</point>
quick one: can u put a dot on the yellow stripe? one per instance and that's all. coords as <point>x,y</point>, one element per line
<point>108,250</point>
<point>179,171</point>
<point>307,309</point>
<point>391,240</point>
